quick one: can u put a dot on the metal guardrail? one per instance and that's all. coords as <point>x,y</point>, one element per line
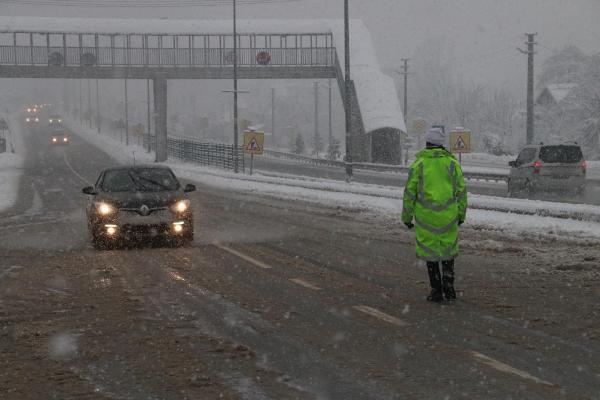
<point>400,169</point>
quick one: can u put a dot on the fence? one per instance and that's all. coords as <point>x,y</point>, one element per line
<point>211,154</point>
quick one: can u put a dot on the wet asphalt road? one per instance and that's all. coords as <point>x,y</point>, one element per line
<point>280,300</point>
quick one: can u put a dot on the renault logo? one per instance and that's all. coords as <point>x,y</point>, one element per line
<point>144,210</point>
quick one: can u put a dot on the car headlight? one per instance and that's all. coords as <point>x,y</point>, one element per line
<point>51,121</point>
<point>60,120</point>
<point>181,206</point>
<point>27,119</point>
<point>104,208</point>
<point>54,139</point>
<point>37,120</point>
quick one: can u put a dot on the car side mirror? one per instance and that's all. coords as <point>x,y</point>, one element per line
<point>512,163</point>
<point>189,188</point>
<point>89,190</point>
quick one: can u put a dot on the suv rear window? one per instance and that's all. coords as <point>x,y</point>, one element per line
<point>561,154</point>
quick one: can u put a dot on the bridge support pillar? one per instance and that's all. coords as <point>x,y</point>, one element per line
<point>160,118</point>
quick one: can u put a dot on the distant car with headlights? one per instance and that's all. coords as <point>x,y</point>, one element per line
<point>548,168</point>
<point>32,115</point>
<point>59,137</point>
<point>32,119</point>
<point>55,119</point>
<point>138,203</point>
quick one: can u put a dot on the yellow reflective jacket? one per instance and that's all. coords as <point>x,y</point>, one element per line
<point>435,196</point>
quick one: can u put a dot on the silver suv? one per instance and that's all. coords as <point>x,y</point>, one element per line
<point>544,168</point>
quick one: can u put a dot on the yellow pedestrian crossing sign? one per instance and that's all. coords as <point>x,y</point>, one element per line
<point>460,141</point>
<point>254,142</point>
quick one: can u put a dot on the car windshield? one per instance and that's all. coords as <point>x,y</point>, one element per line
<point>139,180</point>
<point>561,154</point>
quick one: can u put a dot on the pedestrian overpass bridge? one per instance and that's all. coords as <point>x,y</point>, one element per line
<point>161,50</point>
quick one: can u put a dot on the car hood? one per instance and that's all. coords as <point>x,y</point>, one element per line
<point>138,199</point>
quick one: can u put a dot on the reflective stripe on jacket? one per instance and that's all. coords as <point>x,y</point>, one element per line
<point>435,196</point>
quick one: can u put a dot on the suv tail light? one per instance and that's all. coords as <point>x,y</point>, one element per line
<point>536,167</point>
<point>584,166</point>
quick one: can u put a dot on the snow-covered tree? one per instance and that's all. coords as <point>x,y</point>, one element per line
<point>333,150</point>
<point>298,146</point>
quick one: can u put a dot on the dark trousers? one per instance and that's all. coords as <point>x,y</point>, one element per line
<point>444,281</point>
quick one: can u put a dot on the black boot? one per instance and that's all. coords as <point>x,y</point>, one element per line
<point>435,280</point>
<point>448,280</point>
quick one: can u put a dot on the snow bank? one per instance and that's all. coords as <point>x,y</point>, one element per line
<point>382,201</point>
<point>11,166</point>
<point>116,149</point>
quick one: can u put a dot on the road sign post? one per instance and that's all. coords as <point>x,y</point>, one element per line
<point>253,144</point>
<point>460,142</point>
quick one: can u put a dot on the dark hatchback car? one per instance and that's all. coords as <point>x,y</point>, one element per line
<point>138,203</point>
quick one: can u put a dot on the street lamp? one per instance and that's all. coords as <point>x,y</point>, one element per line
<point>347,102</point>
<point>235,91</point>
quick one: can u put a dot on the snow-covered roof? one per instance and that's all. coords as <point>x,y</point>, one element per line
<point>377,94</point>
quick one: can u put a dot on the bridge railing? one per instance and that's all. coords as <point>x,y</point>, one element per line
<point>170,51</point>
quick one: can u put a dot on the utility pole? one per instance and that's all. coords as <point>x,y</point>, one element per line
<point>273,115</point>
<point>126,116</point>
<point>317,138</point>
<point>235,91</point>
<point>89,104</point>
<point>148,112</point>
<point>330,133</point>
<point>80,103</point>
<point>404,72</point>
<point>347,102</point>
<point>530,80</point>
<point>98,107</point>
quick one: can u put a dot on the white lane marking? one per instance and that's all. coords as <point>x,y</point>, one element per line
<point>244,257</point>
<point>75,172</point>
<point>176,276</point>
<point>502,367</point>
<point>304,283</point>
<point>380,315</point>
<point>52,221</point>
<point>9,270</point>
<point>307,285</point>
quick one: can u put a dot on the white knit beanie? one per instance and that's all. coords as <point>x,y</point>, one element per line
<point>436,137</point>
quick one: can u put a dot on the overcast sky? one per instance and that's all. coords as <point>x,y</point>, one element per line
<point>482,34</point>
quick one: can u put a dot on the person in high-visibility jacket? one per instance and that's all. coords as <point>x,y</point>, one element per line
<point>435,197</point>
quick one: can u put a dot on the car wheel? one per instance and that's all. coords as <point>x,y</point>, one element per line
<point>189,237</point>
<point>529,190</point>
<point>97,241</point>
<point>511,190</point>
<point>581,192</point>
